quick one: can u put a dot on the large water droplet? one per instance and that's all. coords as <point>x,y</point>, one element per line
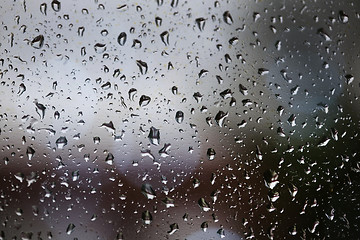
<point>122,38</point>
<point>144,100</point>
<point>38,42</point>
<point>100,47</point>
<point>146,217</point>
<point>211,153</point>
<point>154,136</point>
<point>228,18</point>
<point>143,67</point>
<point>70,229</point>
<point>61,142</point>
<point>204,205</point>
<point>165,37</point>
<point>179,116</point>
<point>200,22</point>
<point>56,5</point>
<point>43,8</point>
<point>148,191</point>
<point>30,152</point>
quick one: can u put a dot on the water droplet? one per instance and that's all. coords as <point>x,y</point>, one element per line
<point>226,94</point>
<point>233,41</point>
<point>56,5</point>
<point>169,202</point>
<point>198,97</point>
<point>144,100</point>
<point>211,153</point>
<point>263,71</point>
<point>123,7</point>
<point>43,8</point>
<point>70,229</point>
<point>148,191</point>
<point>174,3</point>
<point>38,42</point>
<point>173,228</point>
<point>165,37</point>
<point>61,142</point>
<point>343,17</point>
<point>81,31</point>
<point>349,78</point>
<point>228,18</point>
<point>221,232</point>
<point>109,159</point>
<point>136,44</point>
<point>122,38</point>
<point>271,179</point>
<point>100,47</point>
<point>200,22</point>
<point>56,115</point>
<point>40,109</point>
<point>196,183</point>
<point>204,226</point>
<point>204,205</point>
<point>154,136</point>
<point>22,89</point>
<point>323,34</point>
<point>220,118</point>
<point>132,93</point>
<point>75,175</point>
<point>179,116</point>
<point>143,67</point>
<point>243,89</point>
<point>174,90</point>
<point>334,134</point>
<point>146,217</point>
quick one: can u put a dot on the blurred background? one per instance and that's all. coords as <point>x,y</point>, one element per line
<point>179,119</point>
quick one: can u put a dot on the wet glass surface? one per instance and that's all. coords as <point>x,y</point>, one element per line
<point>179,119</point>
